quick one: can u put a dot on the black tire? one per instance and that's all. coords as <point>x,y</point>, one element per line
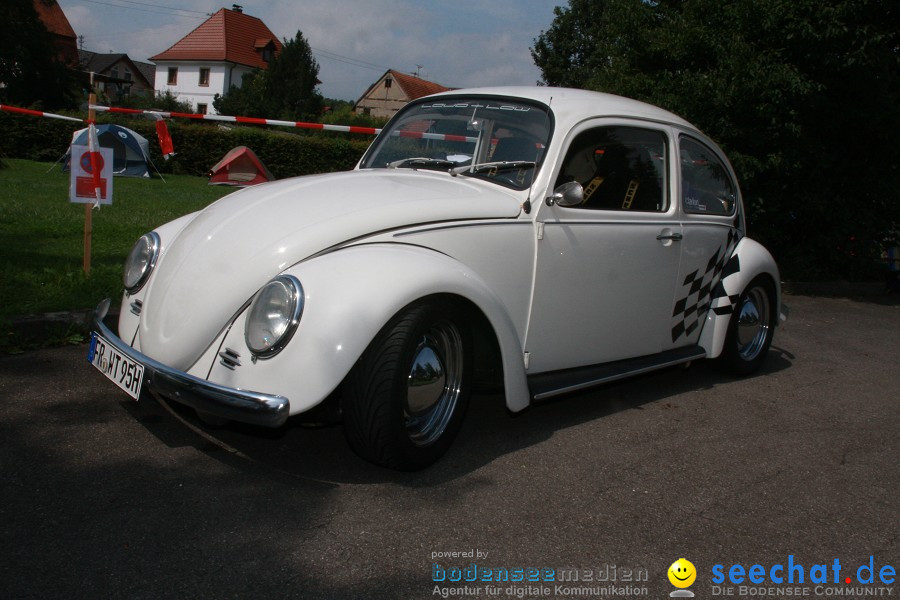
<point>405,398</point>
<point>751,328</point>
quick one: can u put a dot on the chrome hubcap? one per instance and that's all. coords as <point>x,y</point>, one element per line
<point>435,383</point>
<point>753,323</point>
<point>426,381</point>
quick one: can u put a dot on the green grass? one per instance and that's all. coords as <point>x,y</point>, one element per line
<point>42,234</point>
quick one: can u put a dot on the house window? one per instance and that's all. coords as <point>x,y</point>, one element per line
<point>387,83</point>
<point>204,76</point>
<point>201,109</point>
<point>127,74</point>
<point>173,75</point>
<point>114,72</point>
<point>266,50</point>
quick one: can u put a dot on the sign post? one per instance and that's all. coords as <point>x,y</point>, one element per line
<point>90,181</point>
<point>88,215</point>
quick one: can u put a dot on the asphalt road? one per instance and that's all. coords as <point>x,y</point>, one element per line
<point>105,498</point>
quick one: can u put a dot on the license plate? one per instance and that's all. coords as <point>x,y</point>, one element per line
<point>118,368</point>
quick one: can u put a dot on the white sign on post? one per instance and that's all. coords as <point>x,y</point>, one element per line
<point>81,181</point>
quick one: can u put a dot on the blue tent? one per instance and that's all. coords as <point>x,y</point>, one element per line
<point>131,150</point>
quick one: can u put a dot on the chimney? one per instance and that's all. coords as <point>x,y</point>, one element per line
<point>237,8</point>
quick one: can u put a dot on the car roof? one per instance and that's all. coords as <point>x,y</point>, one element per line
<point>575,105</point>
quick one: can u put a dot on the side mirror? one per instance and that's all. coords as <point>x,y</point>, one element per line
<point>568,194</point>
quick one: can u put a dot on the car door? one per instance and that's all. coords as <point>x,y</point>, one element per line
<point>606,270</point>
<point>708,195</point>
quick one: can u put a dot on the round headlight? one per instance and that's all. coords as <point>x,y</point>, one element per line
<point>140,262</point>
<point>273,315</point>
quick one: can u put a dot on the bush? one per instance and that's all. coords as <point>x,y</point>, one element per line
<point>35,138</point>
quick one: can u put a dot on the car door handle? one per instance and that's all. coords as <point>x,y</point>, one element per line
<point>676,237</point>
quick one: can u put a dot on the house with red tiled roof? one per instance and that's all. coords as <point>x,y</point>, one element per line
<point>392,92</point>
<point>54,19</point>
<point>215,56</point>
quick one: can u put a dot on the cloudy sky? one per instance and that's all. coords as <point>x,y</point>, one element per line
<point>457,43</point>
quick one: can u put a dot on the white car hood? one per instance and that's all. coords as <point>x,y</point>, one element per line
<point>234,246</point>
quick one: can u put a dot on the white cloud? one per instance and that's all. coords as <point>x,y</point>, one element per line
<point>462,44</point>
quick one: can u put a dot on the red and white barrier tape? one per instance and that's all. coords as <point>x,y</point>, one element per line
<point>445,137</point>
<point>94,156</point>
<point>37,113</point>
<point>299,124</point>
<point>243,120</point>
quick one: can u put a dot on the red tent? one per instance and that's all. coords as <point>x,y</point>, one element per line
<point>239,167</point>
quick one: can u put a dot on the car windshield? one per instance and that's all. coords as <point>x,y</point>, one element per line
<point>497,139</point>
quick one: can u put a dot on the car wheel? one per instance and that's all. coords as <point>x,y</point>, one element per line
<point>751,329</point>
<point>405,398</point>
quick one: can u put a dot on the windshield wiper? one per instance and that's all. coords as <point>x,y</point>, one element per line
<point>502,165</point>
<point>428,163</point>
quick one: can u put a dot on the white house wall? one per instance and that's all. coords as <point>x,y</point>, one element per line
<point>188,88</point>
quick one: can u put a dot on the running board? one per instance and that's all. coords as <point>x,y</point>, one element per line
<point>557,383</point>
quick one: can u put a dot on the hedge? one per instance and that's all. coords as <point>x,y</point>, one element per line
<point>198,146</point>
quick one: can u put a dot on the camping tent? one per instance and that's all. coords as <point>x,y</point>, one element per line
<point>239,167</point>
<point>131,150</point>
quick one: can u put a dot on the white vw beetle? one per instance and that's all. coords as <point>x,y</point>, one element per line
<point>544,239</point>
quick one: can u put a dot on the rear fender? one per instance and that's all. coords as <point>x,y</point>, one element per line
<point>750,259</point>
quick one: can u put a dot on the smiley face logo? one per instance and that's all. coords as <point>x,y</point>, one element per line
<point>682,573</point>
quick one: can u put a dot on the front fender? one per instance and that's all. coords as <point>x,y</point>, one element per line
<point>129,313</point>
<point>349,295</point>
<point>751,260</point>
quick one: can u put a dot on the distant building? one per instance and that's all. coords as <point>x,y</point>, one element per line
<point>392,92</point>
<point>215,56</point>
<point>64,38</point>
<point>117,75</point>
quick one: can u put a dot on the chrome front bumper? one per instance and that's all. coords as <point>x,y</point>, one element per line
<point>228,403</point>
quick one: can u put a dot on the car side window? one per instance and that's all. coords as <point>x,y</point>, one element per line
<point>706,186</point>
<point>620,168</point>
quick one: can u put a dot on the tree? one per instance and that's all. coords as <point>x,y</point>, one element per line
<point>30,72</point>
<point>572,51</point>
<point>286,90</point>
<point>248,100</point>
<point>291,82</point>
<point>802,94</point>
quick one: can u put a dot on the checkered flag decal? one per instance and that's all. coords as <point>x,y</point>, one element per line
<point>701,291</point>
